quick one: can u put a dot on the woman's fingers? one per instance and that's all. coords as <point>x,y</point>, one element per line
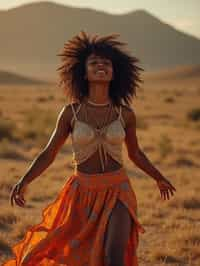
<point>166,188</point>
<point>19,201</point>
<point>171,188</point>
<point>171,191</point>
<point>167,194</point>
<point>17,195</point>
<point>13,193</point>
<point>12,198</point>
<point>160,193</point>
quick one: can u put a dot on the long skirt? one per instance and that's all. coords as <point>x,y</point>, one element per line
<point>73,226</point>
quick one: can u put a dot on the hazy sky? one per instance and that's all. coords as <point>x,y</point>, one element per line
<point>182,14</point>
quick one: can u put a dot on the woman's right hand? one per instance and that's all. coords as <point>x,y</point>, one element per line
<point>17,194</point>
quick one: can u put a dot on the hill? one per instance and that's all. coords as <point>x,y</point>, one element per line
<point>15,79</point>
<point>36,32</point>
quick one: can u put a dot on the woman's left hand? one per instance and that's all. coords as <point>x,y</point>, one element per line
<point>165,187</point>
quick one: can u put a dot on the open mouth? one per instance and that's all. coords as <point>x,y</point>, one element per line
<point>101,72</point>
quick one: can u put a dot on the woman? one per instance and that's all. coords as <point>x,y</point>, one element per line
<point>93,221</point>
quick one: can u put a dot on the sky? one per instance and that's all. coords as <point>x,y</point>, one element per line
<point>181,14</point>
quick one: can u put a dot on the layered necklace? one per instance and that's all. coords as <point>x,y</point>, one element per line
<point>106,116</point>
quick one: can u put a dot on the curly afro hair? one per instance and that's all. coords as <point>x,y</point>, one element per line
<point>72,71</point>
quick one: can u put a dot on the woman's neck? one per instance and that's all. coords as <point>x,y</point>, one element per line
<point>98,93</point>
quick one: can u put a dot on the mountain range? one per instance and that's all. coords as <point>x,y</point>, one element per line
<point>10,78</point>
<point>32,35</point>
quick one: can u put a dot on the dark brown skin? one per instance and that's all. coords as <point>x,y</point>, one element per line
<point>137,156</point>
<point>120,222</point>
<point>46,157</point>
<point>58,138</point>
<point>98,92</point>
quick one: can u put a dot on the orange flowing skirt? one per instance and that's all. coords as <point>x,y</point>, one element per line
<point>73,226</point>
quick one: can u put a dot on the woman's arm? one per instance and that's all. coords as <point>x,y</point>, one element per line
<point>137,156</point>
<point>47,155</point>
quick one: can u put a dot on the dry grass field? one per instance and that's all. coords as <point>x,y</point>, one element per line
<point>168,126</point>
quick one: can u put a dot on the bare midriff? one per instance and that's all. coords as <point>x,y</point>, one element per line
<point>93,165</point>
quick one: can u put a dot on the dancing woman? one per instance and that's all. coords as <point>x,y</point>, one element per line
<point>93,221</point>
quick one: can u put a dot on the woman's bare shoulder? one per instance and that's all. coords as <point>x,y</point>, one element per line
<point>127,108</point>
<point>67,112</point>
<point>128,113</point>
<point>67,108</point>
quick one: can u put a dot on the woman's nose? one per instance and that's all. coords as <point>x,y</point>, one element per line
<point>100,64</point>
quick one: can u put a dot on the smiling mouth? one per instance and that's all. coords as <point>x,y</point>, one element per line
<point>101,72</point>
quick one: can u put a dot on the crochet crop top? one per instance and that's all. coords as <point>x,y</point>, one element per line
<point>87,139</point>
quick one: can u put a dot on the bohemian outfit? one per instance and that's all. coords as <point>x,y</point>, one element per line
<point>73,227</point>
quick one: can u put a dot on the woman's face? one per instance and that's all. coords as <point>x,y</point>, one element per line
<point>99,69</point>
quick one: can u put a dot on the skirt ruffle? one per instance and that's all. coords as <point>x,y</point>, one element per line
<point>73,226</point>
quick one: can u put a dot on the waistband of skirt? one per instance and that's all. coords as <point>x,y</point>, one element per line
<point>102,179</point>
